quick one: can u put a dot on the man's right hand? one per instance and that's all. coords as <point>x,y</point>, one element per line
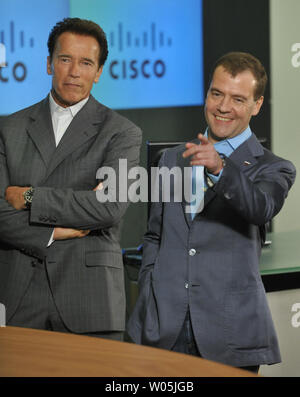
<point>62,233</point>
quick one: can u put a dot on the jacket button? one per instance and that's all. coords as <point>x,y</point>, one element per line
<point>186,285</point>
<point>192,252</point>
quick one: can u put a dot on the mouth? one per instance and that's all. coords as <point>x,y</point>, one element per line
<point>220,118</point>
<point>72,85</point>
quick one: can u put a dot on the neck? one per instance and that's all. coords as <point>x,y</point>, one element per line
<point>59,100</point>
<point>212,137</point>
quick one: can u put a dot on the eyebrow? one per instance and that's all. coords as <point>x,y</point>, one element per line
<point>88,59</point>
<point>82,59</point>
<point>64,56</point>
<point>234,95</point>
<point>212,89</point>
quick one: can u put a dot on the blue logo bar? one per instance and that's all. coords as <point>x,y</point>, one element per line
<point>124,39</point>
<point>12,38</point>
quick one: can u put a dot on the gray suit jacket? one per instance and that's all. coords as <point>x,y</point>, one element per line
<point>86,275</point>
<point>220,281</point>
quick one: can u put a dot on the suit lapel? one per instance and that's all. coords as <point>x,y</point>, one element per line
<point>245,156</point>
<point>82,128</point>
<point>41,130</point>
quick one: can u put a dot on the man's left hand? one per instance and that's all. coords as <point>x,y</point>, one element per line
<point>14,196</point>
<point>204,154</point>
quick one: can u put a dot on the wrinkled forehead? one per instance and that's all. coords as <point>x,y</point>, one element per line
<point>243,80</point>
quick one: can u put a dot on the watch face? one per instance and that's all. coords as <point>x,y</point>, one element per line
<point>29,198</point>
<point>28,195</point>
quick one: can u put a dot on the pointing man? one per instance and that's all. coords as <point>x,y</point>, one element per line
<point>200,290</point>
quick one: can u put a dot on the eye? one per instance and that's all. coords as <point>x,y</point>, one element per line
<point>86,63</point>
<point>239,100</point>
<point>215,94</point>
<point>65,60</point>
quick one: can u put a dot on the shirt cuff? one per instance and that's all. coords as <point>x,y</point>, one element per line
<point>51,239</point>
<point>214,178</point>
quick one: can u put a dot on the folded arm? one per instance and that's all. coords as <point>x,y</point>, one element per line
<point>30,231</point>
<point>82,209</point>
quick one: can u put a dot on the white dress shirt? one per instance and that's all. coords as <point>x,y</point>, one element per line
<point>61,119</point>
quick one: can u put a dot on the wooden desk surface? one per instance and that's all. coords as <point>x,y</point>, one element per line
<point>34,353</point>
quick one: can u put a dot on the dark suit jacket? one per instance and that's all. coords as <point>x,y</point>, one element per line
<point>220,281</point>
<point>86,275</point>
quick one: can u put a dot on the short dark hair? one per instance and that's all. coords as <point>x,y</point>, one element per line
<point>82,27</point>
<point>237,62</point>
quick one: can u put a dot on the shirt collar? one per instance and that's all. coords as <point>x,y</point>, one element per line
<point>74,109</point>
<point>232,143</point>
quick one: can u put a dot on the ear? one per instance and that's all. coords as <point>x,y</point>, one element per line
<point>49,66</point>
<point>257,106</point>
<point>98,74</point>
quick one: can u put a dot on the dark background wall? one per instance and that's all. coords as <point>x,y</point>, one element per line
<point>228,25</point>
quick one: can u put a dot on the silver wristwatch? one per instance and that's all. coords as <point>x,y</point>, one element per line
<point>28,196</point>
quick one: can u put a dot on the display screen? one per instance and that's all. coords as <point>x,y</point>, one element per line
<point>155,51</point>
<point>24,30</point>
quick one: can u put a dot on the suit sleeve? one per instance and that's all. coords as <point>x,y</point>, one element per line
<point>82,209</point>
<point>257,200</point>
<point>15,228</point>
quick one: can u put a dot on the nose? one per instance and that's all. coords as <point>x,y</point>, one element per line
<point>224,105</point>
<point>74,70</point>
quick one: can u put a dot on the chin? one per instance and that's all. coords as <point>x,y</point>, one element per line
<point>71,101</point>
<point>218,135</point>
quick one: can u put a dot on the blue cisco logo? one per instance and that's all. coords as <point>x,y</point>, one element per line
<point>12,40</point>
<point>150,41</point>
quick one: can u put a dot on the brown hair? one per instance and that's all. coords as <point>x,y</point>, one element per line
<point>237,62</point>
<point>82,27</point>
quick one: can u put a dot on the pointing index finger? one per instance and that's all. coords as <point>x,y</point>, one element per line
<point>203,139</point>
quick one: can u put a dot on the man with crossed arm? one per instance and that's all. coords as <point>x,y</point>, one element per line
<point>61,264</point>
